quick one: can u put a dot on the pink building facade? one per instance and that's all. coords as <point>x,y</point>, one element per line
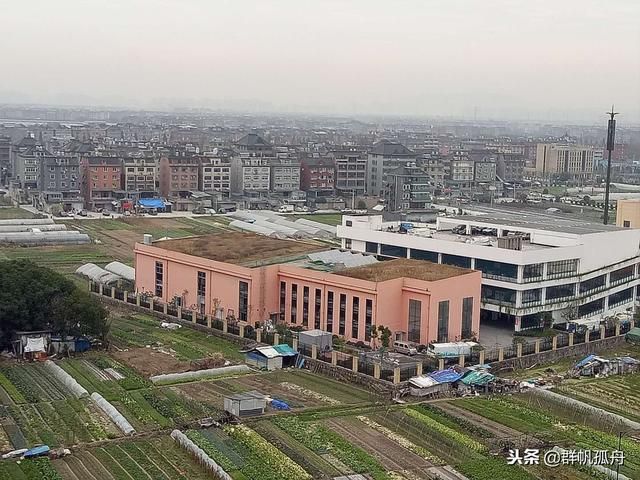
<point>416,310</point>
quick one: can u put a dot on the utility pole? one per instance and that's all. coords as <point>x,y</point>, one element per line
<point>611,136</point>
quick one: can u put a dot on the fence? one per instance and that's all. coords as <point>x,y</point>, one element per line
<point>531,351</point>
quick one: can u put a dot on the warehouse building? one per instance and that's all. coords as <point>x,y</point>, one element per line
<point>257,279</point>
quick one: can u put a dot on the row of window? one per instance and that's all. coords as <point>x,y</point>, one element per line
<point>342,325</point>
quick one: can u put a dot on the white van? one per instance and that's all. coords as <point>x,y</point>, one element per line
<point>404,347</point>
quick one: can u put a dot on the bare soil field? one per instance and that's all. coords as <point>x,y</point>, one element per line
<point>149,361</point>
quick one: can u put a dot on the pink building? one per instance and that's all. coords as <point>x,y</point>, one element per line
<point>256,278</point>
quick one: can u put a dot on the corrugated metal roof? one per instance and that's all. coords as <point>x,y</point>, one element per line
<point>423,382</point>
<point>477,378</point>
<point>268,352</point>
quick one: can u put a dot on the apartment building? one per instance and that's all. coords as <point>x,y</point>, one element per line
<point>101,182</point>
<point>215,172</point>
<point>59,182</point>
<point>285,175</point>
<point>407,188</point>
<point>251,165</point>
<point>351,170</point>
<point>510,166</point>
<point>531,263</point>
<point>461,173</point>
<point>384,157</point>
<point>178,179</point>
<point>317,175</point>
<point>140,176</point>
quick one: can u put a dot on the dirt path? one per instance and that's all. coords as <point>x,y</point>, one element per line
<point>499,430</point>
<point>390,454</point>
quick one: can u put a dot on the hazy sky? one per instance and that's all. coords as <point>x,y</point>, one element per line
<point>543,59</point>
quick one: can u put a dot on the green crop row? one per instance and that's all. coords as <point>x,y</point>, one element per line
<point>318,438</point>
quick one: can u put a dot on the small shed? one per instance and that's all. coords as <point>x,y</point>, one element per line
<point>245,404</point>
<point>266,358</point>
<point>425,386</point>
<point>271,358</point>
<point>32,345</point>
<point>323,340</point>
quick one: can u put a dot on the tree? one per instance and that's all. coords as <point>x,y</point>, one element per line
<point>37,298</point>
<point>545,191</point>
<point>381,333</point>
<point>362,205</point>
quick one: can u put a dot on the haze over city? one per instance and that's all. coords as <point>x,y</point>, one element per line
<point>496,59</point>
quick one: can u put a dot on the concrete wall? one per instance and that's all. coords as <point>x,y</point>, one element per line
<point>552,356</point>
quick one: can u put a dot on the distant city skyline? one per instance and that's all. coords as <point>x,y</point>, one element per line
<point>504,60</point>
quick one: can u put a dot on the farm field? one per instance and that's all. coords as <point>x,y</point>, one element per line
<point>157,458</point>
<point>7,213</point>
<point>37,409</point>
<point>118,236</point>
<point>618,393</point>
<point>328,218</point>
<point>140,330</point>
<point>146,407</point>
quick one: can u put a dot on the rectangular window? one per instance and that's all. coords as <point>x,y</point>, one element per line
<point>294,303</point>
<point>533,272</point>
<point>202,286</point>
<point>562,268</point>
<point>467,317</point>
<point>368,320</point>
<point>504,296</point>
<point>159,278</point>
<point>623,275</point>
<point>371,247</point>
<point>558,292</point>
<point>443,321</point>
<point>343,314</point>
<point>316,311</point>
<point>456,260</point>
<point>594,284</point>
<point>355,317</point>
<point>393,251</point>
<point>305,306</point>
<point>243,301</point>
<point>531,296</point>
<point>507,272</point>
<point>424,255</point>
<point>330,311</point>
<point>414,324</point>
<point>283,300</point>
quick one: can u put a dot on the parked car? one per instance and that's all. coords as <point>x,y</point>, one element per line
<point>82,213</point>
<point>106,213</point>
<point>404,348</point>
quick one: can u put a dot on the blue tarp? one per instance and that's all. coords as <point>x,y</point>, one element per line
<point>157,203</point>
<point>36,451</point>
<point>445,376</point>
<point>279,405</point>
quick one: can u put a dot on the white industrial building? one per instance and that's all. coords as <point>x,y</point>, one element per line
<point>532,262</point>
